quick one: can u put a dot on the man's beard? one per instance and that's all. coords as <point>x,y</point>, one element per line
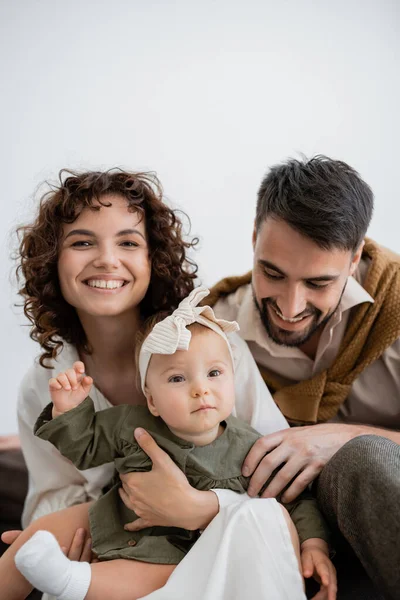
<point>283,337</point>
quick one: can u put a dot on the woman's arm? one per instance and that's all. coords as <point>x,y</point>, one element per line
<point>254,403</point>
<point>163,496</point>
<point>54,483</point>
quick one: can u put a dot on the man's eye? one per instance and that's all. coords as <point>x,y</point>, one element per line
<point>273,275</point>
<point>214,373</point>
<point>176,379</point>
<point>317,286</point>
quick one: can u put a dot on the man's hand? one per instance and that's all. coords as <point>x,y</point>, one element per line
<point>163,496</point>
<point>315,562</point>
<point>302,451</point>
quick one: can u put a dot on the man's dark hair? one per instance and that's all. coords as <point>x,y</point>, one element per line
<point>323,199</point>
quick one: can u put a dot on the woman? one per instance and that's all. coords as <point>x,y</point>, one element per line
<point>103,253</point>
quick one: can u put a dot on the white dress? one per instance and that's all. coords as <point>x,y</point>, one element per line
<point>54,484</point>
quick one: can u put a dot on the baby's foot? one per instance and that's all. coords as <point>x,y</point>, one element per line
<point>42,562</point>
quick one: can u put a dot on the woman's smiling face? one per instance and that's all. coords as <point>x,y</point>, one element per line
<point>104,267</point>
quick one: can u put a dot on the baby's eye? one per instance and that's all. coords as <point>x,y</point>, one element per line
<point>176,379</point>
<point>214,373</point>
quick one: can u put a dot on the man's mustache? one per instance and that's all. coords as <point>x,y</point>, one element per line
<point>309,311</point>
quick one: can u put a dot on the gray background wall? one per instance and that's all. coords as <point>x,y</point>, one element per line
<point>208,94</point>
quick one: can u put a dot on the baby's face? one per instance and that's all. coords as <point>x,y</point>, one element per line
<point>193,390</point>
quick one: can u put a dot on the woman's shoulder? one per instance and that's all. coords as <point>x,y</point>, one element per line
<point>240,349</point>
<point>35,380</point>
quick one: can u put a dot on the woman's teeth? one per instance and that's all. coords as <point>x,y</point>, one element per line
<point>102,283</point>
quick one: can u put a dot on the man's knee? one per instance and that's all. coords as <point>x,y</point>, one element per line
<point>359,492</point>
<point>364,471</point>
<point>365,459</point>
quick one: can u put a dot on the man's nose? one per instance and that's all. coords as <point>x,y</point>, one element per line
<point>292,302</point>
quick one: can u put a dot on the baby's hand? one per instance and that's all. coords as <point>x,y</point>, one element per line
<point>316,563</point>
<point>69,389</point>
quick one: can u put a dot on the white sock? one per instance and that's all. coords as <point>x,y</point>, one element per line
<point>42,562</point>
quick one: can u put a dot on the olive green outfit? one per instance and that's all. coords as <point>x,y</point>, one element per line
<point>90,439</point>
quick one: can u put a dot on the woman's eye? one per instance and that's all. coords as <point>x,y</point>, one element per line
<point>129,244</point>
<point>81,244</point>
<point>214,373</point>
<point>176,379</point>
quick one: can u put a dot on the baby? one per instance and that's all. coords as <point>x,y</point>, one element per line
<point>186,370</point>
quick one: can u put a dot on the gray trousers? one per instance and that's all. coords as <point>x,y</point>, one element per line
<point>359,493</point>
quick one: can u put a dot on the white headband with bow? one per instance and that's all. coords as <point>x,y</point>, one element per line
<point>172,334</point>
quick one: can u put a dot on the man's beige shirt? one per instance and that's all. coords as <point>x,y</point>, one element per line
<point>375,396</point>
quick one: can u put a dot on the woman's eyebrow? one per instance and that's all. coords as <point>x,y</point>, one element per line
<point>80,232</point>
<point>89,233</point>
<point>130,232</point>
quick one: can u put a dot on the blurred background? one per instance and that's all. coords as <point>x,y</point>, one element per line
<point>208,95</point>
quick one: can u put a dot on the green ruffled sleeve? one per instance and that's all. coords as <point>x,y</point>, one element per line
<point>85,437</point>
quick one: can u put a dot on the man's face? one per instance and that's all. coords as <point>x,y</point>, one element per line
<point>297,285</point>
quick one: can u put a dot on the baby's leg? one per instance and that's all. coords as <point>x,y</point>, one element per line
<point>43,563</point>
<point>63,524</point>
<point>123,578</point>
<point>126,579</point>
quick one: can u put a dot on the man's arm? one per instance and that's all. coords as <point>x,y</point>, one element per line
<point>303,452</point>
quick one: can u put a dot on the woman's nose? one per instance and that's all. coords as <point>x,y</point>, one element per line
<point>106,259</point>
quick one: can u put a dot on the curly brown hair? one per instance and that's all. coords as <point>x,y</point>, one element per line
<point>53,320</point>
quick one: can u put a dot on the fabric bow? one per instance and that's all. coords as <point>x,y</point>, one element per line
<point>172,333</point>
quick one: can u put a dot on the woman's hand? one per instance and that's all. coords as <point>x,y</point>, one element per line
<point>79,550</point>
<point>9,537</point>
<point>315,562</point>
<point>163,496</point>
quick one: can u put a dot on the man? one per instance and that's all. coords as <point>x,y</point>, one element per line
<point>321,315</point>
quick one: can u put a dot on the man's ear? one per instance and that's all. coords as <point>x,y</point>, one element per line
<point>355,261</point>
<point>150,403</point>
